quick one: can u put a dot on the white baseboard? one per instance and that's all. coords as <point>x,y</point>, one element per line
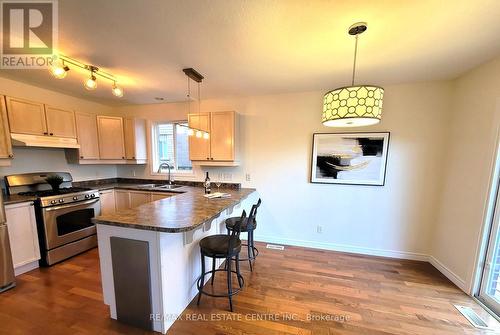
<point>344,248</point>
<point>26,268</point>
<point>455,279</point>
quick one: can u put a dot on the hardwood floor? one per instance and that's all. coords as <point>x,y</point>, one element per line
<point>359,295</point>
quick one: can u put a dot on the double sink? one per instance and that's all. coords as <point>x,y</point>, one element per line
<point>159,187</point>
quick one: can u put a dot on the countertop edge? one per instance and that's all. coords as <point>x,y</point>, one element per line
<point>171,230</point>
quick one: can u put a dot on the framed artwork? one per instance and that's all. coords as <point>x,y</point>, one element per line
<point>350,158</point>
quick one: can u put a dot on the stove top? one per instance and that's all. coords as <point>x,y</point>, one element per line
<point>61,191</point>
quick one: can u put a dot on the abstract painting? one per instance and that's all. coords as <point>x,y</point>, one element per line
<point>350,158</point>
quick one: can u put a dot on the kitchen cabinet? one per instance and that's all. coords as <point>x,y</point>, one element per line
<point>221,149</point>
<point>23,236</point>
<point>159,196</point>
<point>86,126</point>
<point>26,117</point>
<point>107,198</point>
<point>60,122</point>
<point>34,118</point>
<point>199,148</point>
<point>111,139</point>
<point>5,142</point>
<point>122,200</point>
<point>139,198</point>
<point>125,199</point>
<point>135,140</point>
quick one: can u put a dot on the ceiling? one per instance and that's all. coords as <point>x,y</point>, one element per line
<point>264,46</point>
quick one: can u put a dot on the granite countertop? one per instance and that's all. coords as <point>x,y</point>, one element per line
<point>16,199</point>
<point>183,212</point>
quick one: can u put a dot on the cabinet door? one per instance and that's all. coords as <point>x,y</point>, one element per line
<point>199,148</point>
<point>86,126</point>
<point>60,122</point>
<point>139,198</point>
<point>23,236</point>
<point>107,202</point>
<point>159,196</point>
<point>128,127</point>
<point>111,143</point>
<point>26,117</point>
<point>222,136</point>
<point>122,200</point>
<point>5,143</point>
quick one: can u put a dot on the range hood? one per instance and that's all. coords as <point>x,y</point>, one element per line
<point>23,140</point>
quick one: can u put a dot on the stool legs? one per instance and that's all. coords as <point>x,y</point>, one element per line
<point>202,278</point>
<point>213,271</point>
<point>250,250</point>
<point>229,285</point>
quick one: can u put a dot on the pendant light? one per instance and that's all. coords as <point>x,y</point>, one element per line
<point>197,77</point>
<point>353,106</point>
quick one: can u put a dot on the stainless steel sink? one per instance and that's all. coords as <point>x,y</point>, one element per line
<point>168,187</point>
<point>146,186</point>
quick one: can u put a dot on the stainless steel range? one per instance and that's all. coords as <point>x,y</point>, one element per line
<point>63,217</point>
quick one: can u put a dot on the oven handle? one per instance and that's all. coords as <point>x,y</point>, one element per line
<point>87,202</point>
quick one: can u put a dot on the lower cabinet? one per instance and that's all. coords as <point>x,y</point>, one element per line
<point>107,202</point>
<point>23,236</point>
<point>116,200</point>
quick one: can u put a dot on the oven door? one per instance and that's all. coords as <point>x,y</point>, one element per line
<point>68,223</point>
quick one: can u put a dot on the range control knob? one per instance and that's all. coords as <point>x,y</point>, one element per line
<point>75,198</point>
<point>61,200</point>
<point>92,195</point>
<point>87,196</point>
<point>53,202</point>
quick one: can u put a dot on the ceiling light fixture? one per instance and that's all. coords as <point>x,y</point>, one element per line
<point>117,90</point>
<point>196,76</point>
<point>353,106</point>
<point>59,69</point>
<point>91,83</point>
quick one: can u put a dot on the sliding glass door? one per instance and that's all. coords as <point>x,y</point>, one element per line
<point>489,292</point>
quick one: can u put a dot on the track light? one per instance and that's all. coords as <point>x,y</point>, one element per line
<point>91,83</point>
<point>59,70</point>
<point>117,90</point>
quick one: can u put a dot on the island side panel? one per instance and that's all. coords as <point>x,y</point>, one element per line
<point>104,232</point>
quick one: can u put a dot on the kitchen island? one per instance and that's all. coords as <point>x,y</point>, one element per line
<point>149,255</point>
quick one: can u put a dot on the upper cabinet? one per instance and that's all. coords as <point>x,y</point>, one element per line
<point>5,143</point>
<point>221,147</point>
<point>60,122</point>
<point>111,138</point>
<point>86,127</point>
<point>26,117</point>
<point>135,140</point>
<point>199,148</point>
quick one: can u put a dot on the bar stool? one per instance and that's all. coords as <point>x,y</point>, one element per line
<point>247,226</point>
<point>221,246</point>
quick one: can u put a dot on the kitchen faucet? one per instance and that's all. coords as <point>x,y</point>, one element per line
<point>169,167</point>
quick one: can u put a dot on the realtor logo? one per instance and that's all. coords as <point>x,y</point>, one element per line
<point>28,32</point>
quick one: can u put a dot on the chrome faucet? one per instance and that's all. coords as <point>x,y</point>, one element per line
<point>169,167</point>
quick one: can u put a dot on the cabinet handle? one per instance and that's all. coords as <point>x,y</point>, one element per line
<point>11,155</point>
<point>208,158</point>
<point>212,158</point>
<point>51,134</point>
<point>123,157</point>
<point>45,133</point>
<point>81,157</point>
<point>133,157</point>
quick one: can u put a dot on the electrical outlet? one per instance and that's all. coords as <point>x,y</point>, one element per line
<point>133,173</point>
<point>248,177</point>
<point>319,229</point>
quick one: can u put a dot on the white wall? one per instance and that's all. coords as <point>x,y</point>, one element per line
<point>468,164</point>
<point>276,134</point>
<point>34,160</point>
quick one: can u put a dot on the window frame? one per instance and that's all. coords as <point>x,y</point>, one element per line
<point>155,159</point>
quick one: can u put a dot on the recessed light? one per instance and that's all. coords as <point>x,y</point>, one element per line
<point>159,98</point>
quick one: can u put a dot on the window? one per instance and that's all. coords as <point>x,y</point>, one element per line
<point>171,145</point>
